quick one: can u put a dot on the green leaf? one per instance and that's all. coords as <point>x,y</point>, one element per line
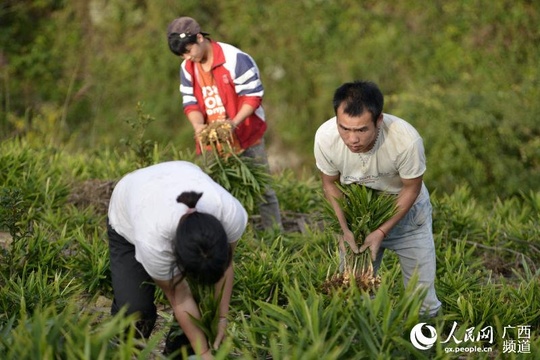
<point>365,209</point>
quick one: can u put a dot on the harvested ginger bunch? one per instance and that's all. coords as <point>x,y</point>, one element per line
<point>363,276</point>
<point>217,132</point>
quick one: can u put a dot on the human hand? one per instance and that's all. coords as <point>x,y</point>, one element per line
<point>221,332</point>
<point>348,237</point>
<point>197,128</point>
<point>205,356</point>
<point>373,243</point>
<point>234,123</point>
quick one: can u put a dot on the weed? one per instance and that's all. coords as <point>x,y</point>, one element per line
<point>141,147</point>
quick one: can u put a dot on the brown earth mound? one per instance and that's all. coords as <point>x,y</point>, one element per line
<point>97,193</point>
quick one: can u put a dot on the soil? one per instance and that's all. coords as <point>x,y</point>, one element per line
<point>5,240</point>
<point>97,193</point>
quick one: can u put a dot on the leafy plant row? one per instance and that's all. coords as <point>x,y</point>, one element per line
<point>54,266</point>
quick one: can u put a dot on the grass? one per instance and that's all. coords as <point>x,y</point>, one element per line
<point>56,266</point>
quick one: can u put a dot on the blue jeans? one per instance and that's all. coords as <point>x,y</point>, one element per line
<point>412,240</point>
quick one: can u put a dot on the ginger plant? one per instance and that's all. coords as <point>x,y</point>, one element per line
<point>208,303</point>
<point>365,210</point>
<point>243,177</point>
<point>246,180</point>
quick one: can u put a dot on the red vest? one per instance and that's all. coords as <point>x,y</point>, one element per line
<point>252,129</point>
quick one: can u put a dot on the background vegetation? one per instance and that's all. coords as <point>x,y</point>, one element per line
<point>464,73</point>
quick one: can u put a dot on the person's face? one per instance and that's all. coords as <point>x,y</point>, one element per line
<point>196,52</point>
<point>359,133</point>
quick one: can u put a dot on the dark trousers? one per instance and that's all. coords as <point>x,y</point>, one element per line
<point>135,289</point>
<point>132,286</point>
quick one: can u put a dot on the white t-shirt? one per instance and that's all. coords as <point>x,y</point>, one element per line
<point>143,209</point>
<point>398,154</point>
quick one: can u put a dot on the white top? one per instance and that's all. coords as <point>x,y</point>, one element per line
<point>398,154</point>
<point>143,209</point>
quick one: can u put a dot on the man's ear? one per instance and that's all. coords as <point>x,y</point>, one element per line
<point>380,119</point>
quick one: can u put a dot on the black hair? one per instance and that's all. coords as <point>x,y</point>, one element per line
<point>201,248</point>
<point>179,45</point>
<point>359,96</point>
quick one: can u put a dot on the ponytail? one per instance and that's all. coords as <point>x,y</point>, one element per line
<point>201,246</point>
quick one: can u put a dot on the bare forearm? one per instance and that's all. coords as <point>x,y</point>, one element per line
<point>405,201</point>
<point>196,118</point>
<point>242,114</point>
<point>226,283</point>
<point>332,194</point>
<point>195,335</point>
<point>184,306</point>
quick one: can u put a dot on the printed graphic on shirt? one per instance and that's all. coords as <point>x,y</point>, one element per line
<point>365,180</point>
<point>213,105</point>
<point>212,101</point>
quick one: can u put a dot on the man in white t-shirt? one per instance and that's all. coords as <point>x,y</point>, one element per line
<point>167,223</point>
<point>383,152</point>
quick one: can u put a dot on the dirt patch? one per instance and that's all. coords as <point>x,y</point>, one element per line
<point>102,307</point>
<point>97,193</point>
<point>498,264</point>
<point>5,240</point>
<point>94,193</point>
